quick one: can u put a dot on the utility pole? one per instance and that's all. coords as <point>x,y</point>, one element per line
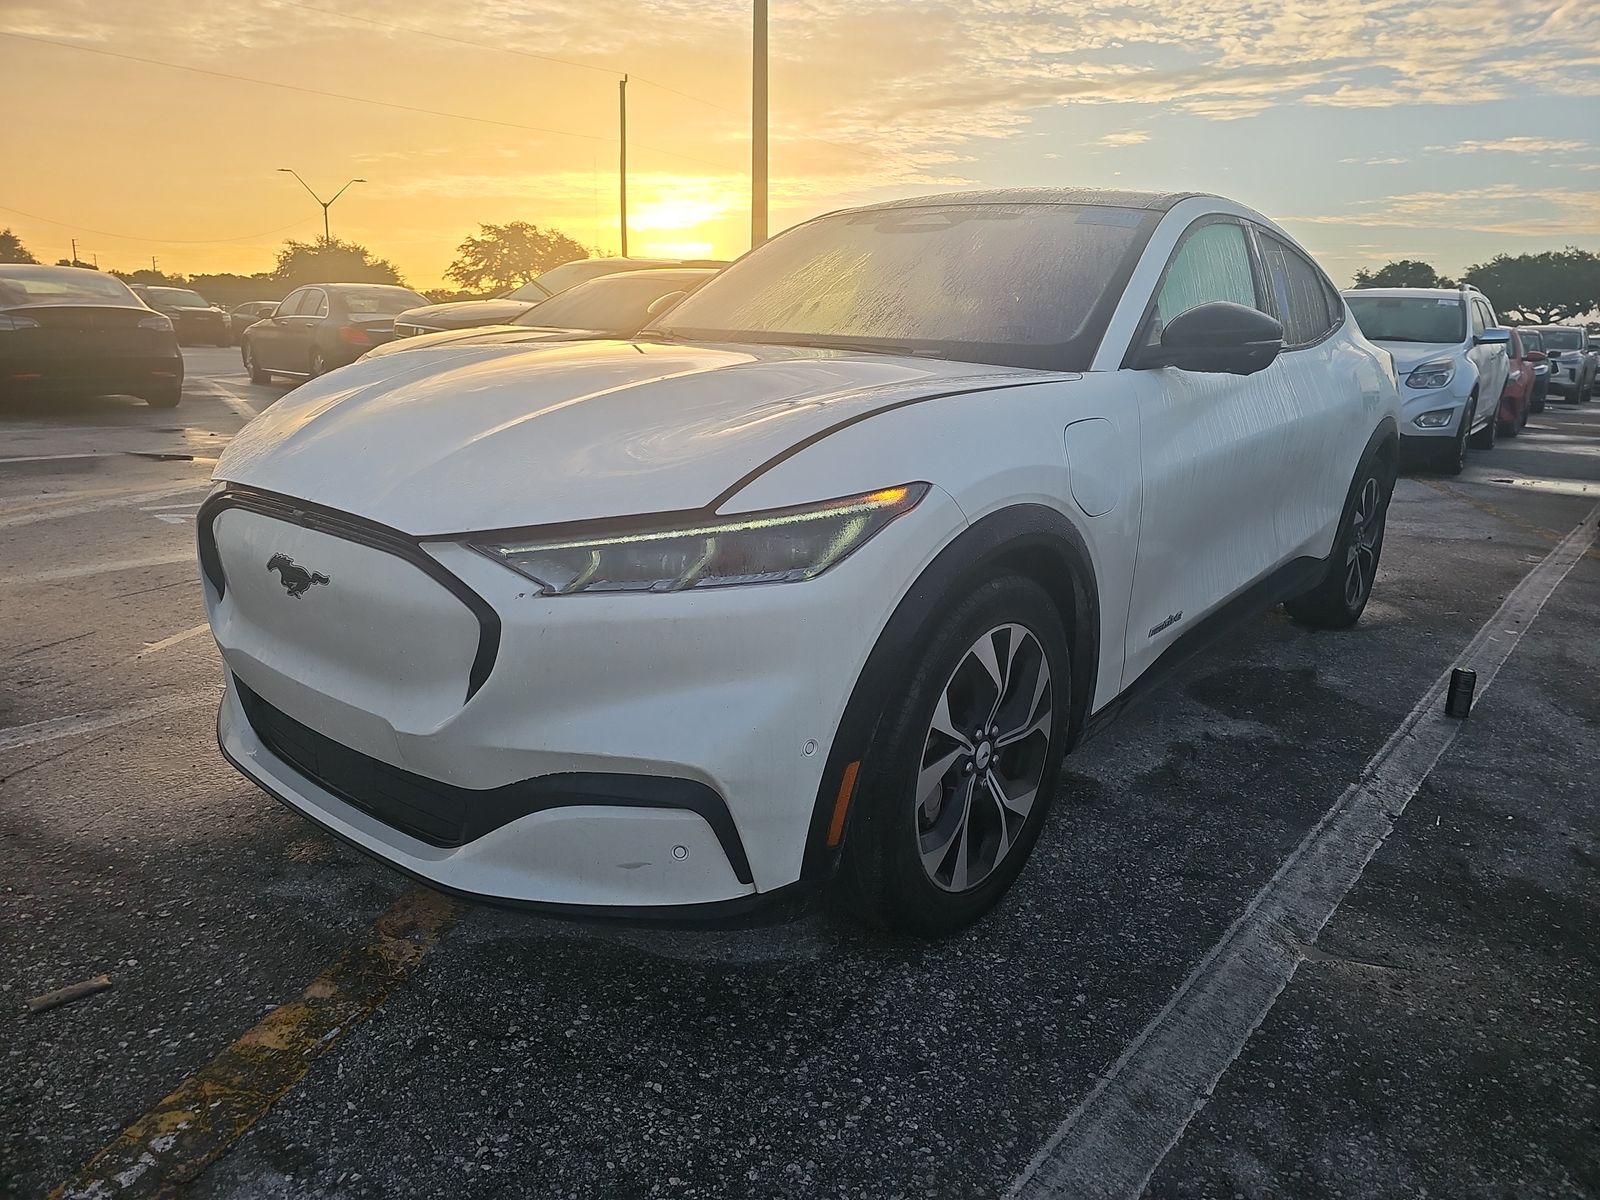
<point>74,251</point>
<point>622,164</point>
<point>153,270</point>
<point>758,125</point>
<point>326,204</point>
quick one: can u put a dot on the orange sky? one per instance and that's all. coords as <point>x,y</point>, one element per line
<point>1344,120</point>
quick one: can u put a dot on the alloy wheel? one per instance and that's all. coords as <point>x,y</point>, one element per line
<point>983,758</point>
<point>1361,559</point>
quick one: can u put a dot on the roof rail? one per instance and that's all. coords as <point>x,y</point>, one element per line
<point>1467,287</point>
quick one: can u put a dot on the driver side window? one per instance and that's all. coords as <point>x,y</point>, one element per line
<point>1212,263</point>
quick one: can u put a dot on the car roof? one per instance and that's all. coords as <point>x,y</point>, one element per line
<point>1425,293</point>
<point>395,287</point>
<point>1099,197</point>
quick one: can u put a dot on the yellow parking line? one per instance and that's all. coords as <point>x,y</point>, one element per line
<point>189,1130</point>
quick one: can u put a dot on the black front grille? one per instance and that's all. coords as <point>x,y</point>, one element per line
<point>426,809</point>
<point>443,814</point>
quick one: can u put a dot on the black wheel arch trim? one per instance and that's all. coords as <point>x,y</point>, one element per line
<point>354,529</point>
<point>1028,539</point>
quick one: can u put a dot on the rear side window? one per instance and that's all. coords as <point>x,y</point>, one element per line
<point>1213,263</point>
<point>1299,292</point>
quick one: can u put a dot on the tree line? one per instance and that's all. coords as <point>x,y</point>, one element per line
<point>1550,288</point>
<point>496,259</point>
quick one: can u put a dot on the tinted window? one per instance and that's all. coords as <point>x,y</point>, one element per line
<point>290,303</point>
<point>178,297</point>
<point>61,285</point>
<point>313,304</point>
<point>1212,263</point>
<point>1013,284</point>
<point>1564,339</point>
<point>614,304</point>
<point>379,300</point>
<point>1298,291</point>
<point>1478,322</point>
<point>1434,319</point>
<point>1531,339</point>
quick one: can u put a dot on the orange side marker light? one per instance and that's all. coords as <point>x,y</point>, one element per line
<point>841,806</point>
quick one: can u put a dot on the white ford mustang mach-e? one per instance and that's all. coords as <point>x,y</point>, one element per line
<point>819,577</point>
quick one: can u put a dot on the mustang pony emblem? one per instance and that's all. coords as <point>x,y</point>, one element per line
<point>296,580</point>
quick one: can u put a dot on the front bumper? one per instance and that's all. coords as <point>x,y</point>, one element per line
<point>736,693</point>
<point>1415,402</point>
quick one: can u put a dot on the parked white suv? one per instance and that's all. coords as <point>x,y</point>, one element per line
<point>1450,357</point>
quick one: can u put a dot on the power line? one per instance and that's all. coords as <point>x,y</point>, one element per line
<point>293,87</point>
<point>128,237</point>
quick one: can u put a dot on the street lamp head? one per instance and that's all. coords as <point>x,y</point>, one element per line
<point>286,170</point>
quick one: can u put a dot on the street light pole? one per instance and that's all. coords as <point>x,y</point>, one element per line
<point>758,125</point>
<point>326,204</point>
<point>622,162</point>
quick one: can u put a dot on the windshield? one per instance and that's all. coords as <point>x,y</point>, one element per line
<point>1564,339</point>
<point>177,297</point>
<point>532,292</point>
<point>1437,319</point>
<point>61,285</point>
<point>1531,340</point>
<point>380,301</point>
<point>1013,284</point>
<point>615,304</point>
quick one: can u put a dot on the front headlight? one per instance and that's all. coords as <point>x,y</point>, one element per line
<point>1436,374</point>
<point>779,546</point>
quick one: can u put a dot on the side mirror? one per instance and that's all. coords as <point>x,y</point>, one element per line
<point>1535,356</point>
<point>661,303</point>
<point>1496,336</point>
<point>1220,338</point>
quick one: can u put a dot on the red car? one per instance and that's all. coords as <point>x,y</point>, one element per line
<point>1516,398</point>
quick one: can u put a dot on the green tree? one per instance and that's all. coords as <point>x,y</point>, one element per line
<point>504,256</point>
<point>12,250</point>
<point>1541,289</point>
<point>1402,272</point>
<point>329,260</point>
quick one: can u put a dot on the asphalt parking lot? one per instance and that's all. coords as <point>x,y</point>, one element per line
<point>339,1033</point>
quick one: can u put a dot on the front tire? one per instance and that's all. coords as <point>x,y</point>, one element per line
<point>167,398</point>
<point>1484,439</point>
<point>257,375</point>
<point>955,789</point>
<point>1338,601</point>
<point>1453,459</point>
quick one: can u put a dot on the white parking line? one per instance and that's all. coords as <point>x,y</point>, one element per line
<point>1112,1143</point>
<point>164,643</point>
<point>94,506</point>
<point>20,736</point>
<point>84,570</point>
<point>233,400</point>
<point>30,458</point>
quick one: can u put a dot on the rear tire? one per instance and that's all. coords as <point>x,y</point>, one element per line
<point>165,399</point>
<point>1339,599</point>
<point>947,809</point>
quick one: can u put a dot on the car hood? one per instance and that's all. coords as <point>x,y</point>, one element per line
<point>499,335</point>
<point>1410,355</point>
<point>460,439</point>
<point>462,313</point>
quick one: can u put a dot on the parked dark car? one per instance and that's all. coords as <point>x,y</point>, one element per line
<point>1533,347</point>
<point>67,331</point>
<point>242,316</point>
<point>503,310</point>
<point>613,306</point>
<point>323,326</point>
<point>195,318</point>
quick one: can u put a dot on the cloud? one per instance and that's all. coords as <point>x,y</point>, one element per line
<point>1504,209</point>
<point>1126,137</point>
<point>1512,145</point>
<point>1376,162</point>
